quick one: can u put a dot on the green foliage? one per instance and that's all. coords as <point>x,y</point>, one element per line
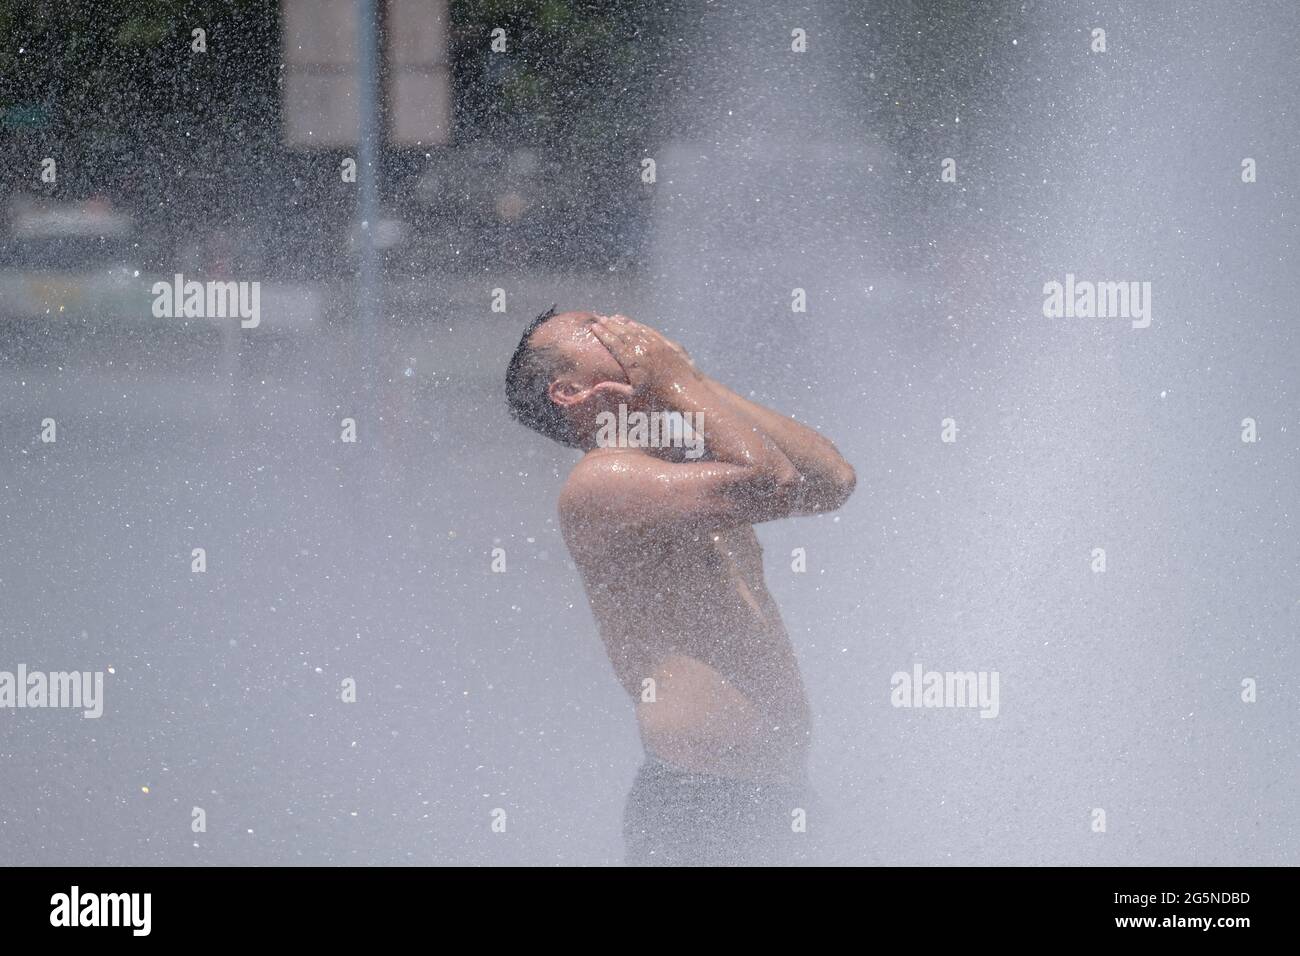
<point>77,58</point>
<point>569,65</point>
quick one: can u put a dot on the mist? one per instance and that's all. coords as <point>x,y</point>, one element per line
<point>996,448</point>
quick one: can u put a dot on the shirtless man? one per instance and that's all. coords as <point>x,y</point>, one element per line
<point>674,574</point>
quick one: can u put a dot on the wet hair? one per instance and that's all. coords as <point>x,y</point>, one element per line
<point>528,381</point>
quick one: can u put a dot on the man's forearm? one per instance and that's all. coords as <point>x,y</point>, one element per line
<point>729,434</point>
<point>827,478</point>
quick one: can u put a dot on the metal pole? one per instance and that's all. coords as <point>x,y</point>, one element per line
<point>366,332</point>
<point>368,201</point>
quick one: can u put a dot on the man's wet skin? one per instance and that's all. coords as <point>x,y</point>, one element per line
<point>689,610</point>
<point>669,557</point>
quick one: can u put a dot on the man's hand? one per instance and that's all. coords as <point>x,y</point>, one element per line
<point>656,368</point>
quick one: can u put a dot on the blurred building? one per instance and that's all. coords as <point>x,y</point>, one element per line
<point>320,72</point>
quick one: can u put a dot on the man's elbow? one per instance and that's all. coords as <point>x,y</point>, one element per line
<point>846,480</point>
<point>837,487</point>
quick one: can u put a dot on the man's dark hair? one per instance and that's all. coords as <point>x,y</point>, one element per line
<point>528,381</point>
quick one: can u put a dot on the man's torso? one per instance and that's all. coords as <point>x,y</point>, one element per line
<point>689,610</point>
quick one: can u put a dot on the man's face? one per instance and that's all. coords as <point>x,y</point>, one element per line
<point>589,361</point>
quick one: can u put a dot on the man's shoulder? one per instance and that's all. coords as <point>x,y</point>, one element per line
<point>599,474</point>
<point>603,492</point>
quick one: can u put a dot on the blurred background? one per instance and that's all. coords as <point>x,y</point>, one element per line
<point>492,182</point>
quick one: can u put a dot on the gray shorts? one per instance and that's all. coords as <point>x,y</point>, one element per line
<point>679,818</point>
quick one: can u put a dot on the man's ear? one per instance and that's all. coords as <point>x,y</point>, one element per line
<point>564,392</point>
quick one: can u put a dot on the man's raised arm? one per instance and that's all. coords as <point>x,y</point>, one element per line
<point>828,479</point>
<point>749,478</point>
<point>764,465</point>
